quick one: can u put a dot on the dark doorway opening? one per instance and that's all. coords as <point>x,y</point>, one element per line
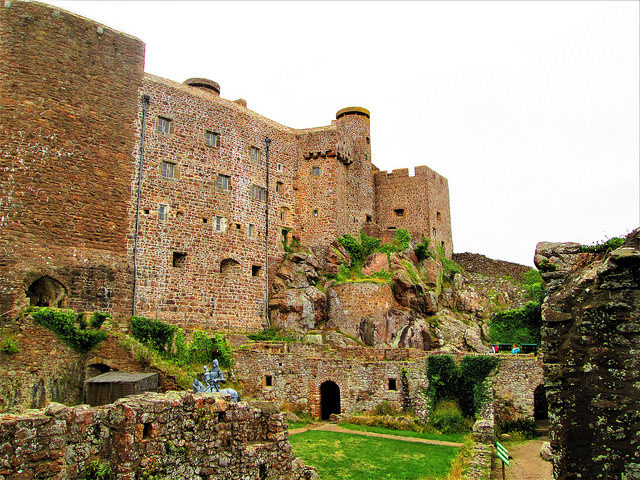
<point>329,399</point>
<point>46,292</point>
<point>540,405</point>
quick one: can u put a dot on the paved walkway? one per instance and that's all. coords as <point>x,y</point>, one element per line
<point>332,427</point>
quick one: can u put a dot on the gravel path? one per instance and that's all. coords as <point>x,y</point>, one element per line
<point>527,464</point>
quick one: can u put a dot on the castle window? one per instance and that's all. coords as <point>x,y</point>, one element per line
<point>315,171</point>
<point>218,224</point>
<point>204,220</point>
<point>279,167</point>
<point>162,212</point>
<point>392,384</point>
<point>163,125</point>
<point>179,259</point>
<point>258,193</point>
<point>224,182</point>
<point>268,381</point>
<point>168,169</point>
<point>369,218</point>
<point>279,187</point>
<point>146,211</point>
<point>254,154</point>
<point>255,270</point>
<point>283,214</point>
<point>212,139</point>
<point>438,216</point>
<point>315,213</point>
<point>442,245</point>
<point>399,212</point>
<point>251,231</point>
<point>433,230</point>
<point>368,140</point>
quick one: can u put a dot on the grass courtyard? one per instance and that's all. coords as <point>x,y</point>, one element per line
<point>344,456</point>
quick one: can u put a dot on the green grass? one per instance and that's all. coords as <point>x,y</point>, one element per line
<point>342,456</point>
<point>449,437</point>
<point>299,424</point>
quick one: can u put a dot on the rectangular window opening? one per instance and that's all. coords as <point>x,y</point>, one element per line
<point>315,171</point>
<point>434,231</point>
<point>162,212</point>
<point>268,381</point>
<point>369,219</point>
<point>392,384</point>
<point>399,212</point>
<point>254,154</point>
<point>438,216</point>
<point>279,187</point>
<point>255,270</point>
<point>212,139</point>
<point>163,125</point>
<point>224,182</point>
<point>204,220</point>
<point>168,169</point>
<point>146,211</point>
<point>315,213</point>
<point>218,224</point>
<point>258,193</point>
<point>251,231</point>
<point>179,259</point>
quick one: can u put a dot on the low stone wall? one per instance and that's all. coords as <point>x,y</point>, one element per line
<point>178,435</point>
<point>514,386</point>
<point>479,465</point>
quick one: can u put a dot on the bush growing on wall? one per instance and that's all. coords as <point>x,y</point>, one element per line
<point>462,383</point>
<point>157,334</point>
<point>63,324</point>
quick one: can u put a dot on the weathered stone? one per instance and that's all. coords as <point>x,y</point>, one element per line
<point>375,263</point>
<point>545,452</point>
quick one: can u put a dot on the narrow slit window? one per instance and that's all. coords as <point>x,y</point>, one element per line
<point>393,384</point>
<point>438,216</point>
<point>251,231</point>
<point>315,213</point>
<point>162,212</point>
<point>433,230</point>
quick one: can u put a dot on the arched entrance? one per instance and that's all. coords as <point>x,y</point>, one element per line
<point>329,399</point>
<point>540,405</point>
<point>46,292</point>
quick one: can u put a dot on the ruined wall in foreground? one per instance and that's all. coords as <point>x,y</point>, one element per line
<point>68,105</point>
<point>591,342</point>
<point>178,435</point>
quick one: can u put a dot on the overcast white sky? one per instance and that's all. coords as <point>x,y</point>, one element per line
<point>530,109</point>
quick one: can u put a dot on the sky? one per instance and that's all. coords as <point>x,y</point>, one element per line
<point>529,109</point>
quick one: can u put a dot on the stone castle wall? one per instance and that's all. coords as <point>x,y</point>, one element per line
<point>184,435</point>
<point>590,343</point>
<point>418,203</point>
<point>73,99</point>
<point>68,89</point>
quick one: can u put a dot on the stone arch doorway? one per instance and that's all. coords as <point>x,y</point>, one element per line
<point>540,405</point>
<point>329,399</point>
<point>229,266</point>
<point>46,292</point>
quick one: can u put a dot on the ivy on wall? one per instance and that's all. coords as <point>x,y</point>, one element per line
<point>69,328</point>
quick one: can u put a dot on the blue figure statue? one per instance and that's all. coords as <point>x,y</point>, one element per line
<point>213,378</point>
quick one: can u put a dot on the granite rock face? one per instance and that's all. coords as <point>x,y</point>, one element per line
<point>591,342</point>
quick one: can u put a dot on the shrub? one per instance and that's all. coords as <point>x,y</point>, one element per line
<point>603,247</point>
<point>360,249</point>
<point>385,408</point>
<point>97,319</point>
<point>448,418</point>
<point>154,332</point>
<point>533,285</point>
<point>518,325</point>
<point>272,334</point>
<point>422,249</point>
<point>449,267</point>
<point>222,351</point>
<point>9,346</point>
<point>97,471</point>
<point>62,323</point>
<point>401,241</point>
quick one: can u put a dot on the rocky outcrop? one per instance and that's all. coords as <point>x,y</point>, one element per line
<point>591,340</point>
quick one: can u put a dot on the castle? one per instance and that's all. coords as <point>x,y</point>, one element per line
<point>125,192</point>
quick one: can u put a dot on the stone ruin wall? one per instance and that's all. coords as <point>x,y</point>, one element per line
<point>362,374</point>
<point>590,343</point>
<point>187,436</point>
<point>67,131</point>
<point>46,370</point>
<point>424,201</point>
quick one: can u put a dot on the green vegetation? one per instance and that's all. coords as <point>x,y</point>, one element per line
<point>359,250</point>
<point>400,243</point>
<point>533,285</point>
<point>70,329</point>
<point>97,319</point>
<point>449,267</point>
<point>448,418</point>
<point>298,423</point>
<point>450,437</point>
<point>519,325</point>
<point>524,428</point>
<point>343,456</point>
<point>464,383</point>
<point>422,249</point>
<point>272,334</point>
<point>603,247</point>
<point>98,471</point>
<point>9,345</point>
<point>169,341</point>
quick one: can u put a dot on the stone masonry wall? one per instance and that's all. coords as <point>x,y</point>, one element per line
<point>178,435</point>
<point>419,203</point>
<point>68,89</point>
<point>514,385</point>
<point>590,343</point>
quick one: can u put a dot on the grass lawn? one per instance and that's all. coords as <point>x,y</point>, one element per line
<point>298,424</point>
<point>445,437</point>
<point>342,456</point>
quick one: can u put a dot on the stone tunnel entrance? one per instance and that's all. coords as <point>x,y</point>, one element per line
<point>329,399</point>
<point>46,292</point>
<point>540,405</point>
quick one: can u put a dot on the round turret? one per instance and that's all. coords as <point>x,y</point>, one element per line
<point>353,111</point>
<point>204,84</point>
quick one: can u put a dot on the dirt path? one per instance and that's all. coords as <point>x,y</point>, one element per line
<point>527,464</point>
<point>331,427</point>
